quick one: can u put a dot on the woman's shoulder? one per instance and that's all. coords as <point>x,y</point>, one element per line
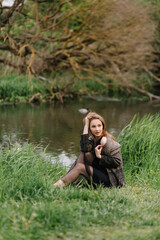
<point>103,140</point>
<point>107,139</point>
<point>111,146</point>
<point>112,141</point>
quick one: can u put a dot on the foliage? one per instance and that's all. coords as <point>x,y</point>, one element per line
<point>23,172</point>
<point>95,37</point>
<point>20,88</point>
<point>140,148</point>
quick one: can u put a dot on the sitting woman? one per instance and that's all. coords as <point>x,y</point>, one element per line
<point>100,160</point>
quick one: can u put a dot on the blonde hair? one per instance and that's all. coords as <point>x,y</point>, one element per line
<point>94,115</point>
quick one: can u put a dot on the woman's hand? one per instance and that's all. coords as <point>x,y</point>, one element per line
<point>86,121</point>
<point>98,150</point>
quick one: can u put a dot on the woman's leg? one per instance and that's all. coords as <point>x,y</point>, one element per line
<point>88,157</point>
<point>78,168</point>
<point>80,159</point>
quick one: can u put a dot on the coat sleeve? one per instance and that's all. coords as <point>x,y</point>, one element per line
<point>109,162</point>
<point>111,155</point>
<point>86,143</point>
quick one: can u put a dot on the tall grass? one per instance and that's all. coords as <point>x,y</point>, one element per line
<point>20,88</point>
<point>24,173</point>
<point>141,148</point>
<point>31,208</point>
<point>14,87</point>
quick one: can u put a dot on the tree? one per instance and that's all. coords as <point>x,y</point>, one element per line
<point>91,39</point>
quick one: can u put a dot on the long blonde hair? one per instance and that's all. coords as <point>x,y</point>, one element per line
<point>94,115</point>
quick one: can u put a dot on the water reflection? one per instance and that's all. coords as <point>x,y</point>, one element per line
<point>58,127</point>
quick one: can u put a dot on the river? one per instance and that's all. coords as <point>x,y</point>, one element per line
<point>58,127</point>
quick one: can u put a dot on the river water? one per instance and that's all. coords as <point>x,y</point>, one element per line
<point>58,127</point>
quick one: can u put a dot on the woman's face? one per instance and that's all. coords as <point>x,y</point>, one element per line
<point>96,127</point>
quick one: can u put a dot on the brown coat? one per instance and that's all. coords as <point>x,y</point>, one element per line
<point>111,158</point>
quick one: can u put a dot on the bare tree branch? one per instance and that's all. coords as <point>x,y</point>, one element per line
<point>99,38</point>
<point>8,14</point>
<point>151,74</point>
<point>131,86</point>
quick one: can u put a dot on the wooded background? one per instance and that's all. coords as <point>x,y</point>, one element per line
<point>115,43</point>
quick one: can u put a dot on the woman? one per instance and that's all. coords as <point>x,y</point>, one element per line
<point>100,160</point>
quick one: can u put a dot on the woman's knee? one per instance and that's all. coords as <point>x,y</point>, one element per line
<point>80,167</point>
<point>89,154</point>
<point>81,158</point>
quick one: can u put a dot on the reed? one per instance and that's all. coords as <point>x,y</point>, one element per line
<point>25,173</point>
<point>20,88</point>
<point>140,142</point>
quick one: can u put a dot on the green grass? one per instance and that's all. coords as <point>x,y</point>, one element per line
<point>141,149</point>
<point>31,208</point>
<point>85,213</point>
<point>19,88</point>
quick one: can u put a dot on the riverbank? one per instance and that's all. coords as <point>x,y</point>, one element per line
<point>32,209</point>
<point>22,88</point>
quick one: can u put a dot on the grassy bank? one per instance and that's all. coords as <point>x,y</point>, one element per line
<point>20,88</point>
<point>31,208</point>
<point>141,149</point>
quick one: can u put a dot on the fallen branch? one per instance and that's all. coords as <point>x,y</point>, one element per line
<point>131,86</point>
<point>9,48</point>
<point>12,64</point>
<point>151,74</point>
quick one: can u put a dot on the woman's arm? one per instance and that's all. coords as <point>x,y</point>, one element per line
<point>86,144</point>
<point>107,160</point>
<point>98,149</point>
<point>86,125</point>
